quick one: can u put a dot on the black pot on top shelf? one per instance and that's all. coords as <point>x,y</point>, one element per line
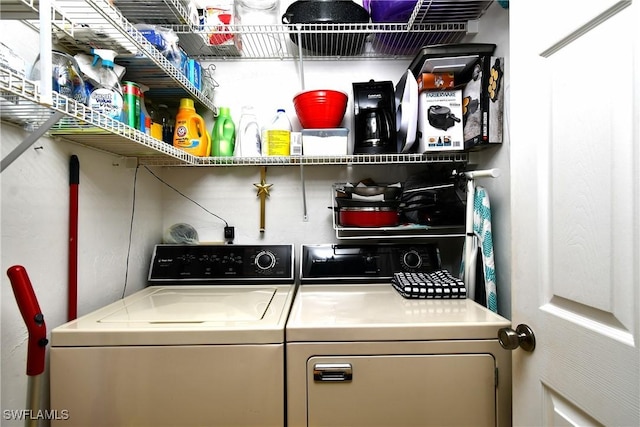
<point>326,39</point>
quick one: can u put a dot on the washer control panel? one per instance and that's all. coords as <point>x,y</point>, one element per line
<point>221,263</point>
<point>366,262</point>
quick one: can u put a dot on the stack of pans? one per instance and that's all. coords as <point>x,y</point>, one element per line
<point>368,206</point>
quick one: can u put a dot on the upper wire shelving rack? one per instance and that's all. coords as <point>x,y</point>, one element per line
<point>79,25</point>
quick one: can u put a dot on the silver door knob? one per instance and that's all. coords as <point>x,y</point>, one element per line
<point>522,337</point>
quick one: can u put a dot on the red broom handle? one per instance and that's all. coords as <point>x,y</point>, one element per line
<point>30,310</point>
<point>74,181</point>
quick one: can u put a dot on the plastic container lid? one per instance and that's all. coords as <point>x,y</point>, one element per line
<point>186,103</point>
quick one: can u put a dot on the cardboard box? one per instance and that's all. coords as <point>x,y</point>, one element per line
<point>483,104</point>
<point>194,73</point>
<point>440,121</point>
<point>324,142</point>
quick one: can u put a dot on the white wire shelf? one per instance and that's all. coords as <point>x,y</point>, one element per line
<point>96,24</point>
<point>21,104</point>
<point>430,22</point>
<point>19,9</point>
<point>318,41</point>
<point>160,12</point>
<point>80,25</point>
<point>369,159</point>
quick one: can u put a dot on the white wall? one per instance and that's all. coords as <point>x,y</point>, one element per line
<point>35,224</point>
<point>35,196</point>
<point>494,28</point>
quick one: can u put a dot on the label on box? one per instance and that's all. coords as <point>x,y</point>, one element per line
<point>483,103</point>
<point>428,81</point>
<point>440,120</point>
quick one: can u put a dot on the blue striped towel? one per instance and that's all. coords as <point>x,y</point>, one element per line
<point>482,230</point>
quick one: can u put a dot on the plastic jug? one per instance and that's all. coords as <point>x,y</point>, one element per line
<point>224,134</point>
<point>190,133</point>
<point>248,139</point>
<point>277,135</point>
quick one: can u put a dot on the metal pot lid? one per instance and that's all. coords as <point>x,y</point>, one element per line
<point>369,209</point>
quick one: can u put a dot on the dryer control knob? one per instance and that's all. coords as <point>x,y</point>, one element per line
<point>265,260</point>
<point>412,259</point>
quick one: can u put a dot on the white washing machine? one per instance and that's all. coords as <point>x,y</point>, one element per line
<point>360,354</point>
<point>203,345</point>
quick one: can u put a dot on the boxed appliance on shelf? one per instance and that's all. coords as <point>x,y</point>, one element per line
<point>479,75</point>
<point>483,103</point>
<point>440,121</point>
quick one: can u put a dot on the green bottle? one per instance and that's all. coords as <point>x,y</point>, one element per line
<point>223,135</point>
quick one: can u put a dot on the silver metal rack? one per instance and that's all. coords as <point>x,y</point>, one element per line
<point>400,231</point>
<point>405,231</point>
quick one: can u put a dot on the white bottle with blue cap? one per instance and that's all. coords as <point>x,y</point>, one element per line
<point>106,97</point>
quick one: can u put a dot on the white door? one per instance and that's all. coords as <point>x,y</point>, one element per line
<point>575,162</point>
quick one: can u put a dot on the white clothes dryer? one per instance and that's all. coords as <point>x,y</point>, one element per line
<point>359,354</point>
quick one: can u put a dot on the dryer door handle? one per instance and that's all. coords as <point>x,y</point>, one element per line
<point>332,372</point>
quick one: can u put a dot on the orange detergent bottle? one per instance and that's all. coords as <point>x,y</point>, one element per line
<point>190,132</point>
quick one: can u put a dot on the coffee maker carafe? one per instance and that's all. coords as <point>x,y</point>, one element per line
<point>374,118</point>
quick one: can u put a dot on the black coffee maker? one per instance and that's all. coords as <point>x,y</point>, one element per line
<point>374,117</point>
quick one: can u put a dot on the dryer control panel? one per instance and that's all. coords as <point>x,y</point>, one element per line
<point>353,263</point>
<point>210,264</point>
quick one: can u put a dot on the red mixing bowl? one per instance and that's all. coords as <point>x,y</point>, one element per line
<point>320,109</point>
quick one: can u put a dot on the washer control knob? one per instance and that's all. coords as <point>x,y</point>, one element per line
<point>412,259</point>
<point>265,260</point>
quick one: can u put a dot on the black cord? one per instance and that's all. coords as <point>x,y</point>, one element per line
<point>133,211</point>
<point>186,197</point>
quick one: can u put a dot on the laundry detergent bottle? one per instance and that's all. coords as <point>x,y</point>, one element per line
<point>190,132</point>
<point>248,138</point>
<point>224,134</point>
